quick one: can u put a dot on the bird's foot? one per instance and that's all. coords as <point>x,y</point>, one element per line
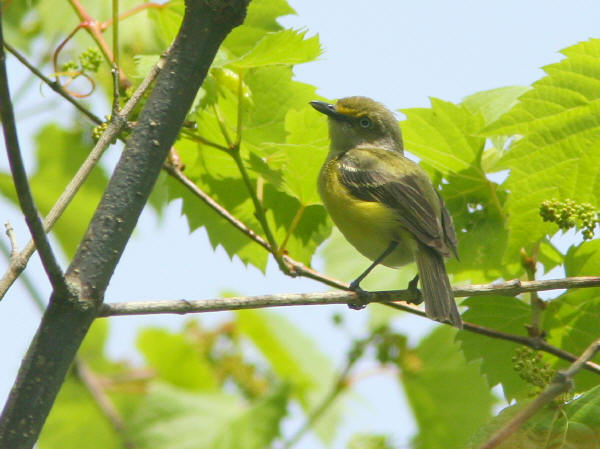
<point>412,287</point>
<point>363,297</point>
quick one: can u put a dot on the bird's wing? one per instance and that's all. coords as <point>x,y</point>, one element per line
<point>373,174</point>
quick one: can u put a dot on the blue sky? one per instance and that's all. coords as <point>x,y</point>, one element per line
<point>400,53</point>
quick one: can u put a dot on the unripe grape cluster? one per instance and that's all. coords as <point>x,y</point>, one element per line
<point>531,368</point>
<point>97,131</point>
<point>89,61</point>
<point>568,214</point>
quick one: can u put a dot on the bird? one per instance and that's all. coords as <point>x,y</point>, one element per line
<point>383,203</point>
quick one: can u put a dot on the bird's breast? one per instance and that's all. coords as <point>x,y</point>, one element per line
<point>368,225</point>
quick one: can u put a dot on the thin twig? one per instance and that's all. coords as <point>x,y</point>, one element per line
<point>389,298</point>
<point>336,297</point>
<point>56,87</point>
<point>562,382</point>
<point>295,268</point>
<point>94,386</point>
<point>10,232</point>
<point>27,282</point>
<point>116,125</point>
<point>209,201</point>
<point>34,222</point>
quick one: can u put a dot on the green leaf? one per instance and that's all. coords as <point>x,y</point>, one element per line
<point>305,152</point>
<point>176,360</point>
<point>294,356</point>
<point>576,425</point>
<point>92,348</point>
<point>177,419</point>
<point>59,154</point>
<point>264,14</point>
<point>285,47</point>
<point>167,20</point>
<point>495,102</point>
<point>301,228</point>
<point>76,418</point>
<point>444,136</point>
<point>264,152</point>
<point>505,314</point>
<point>571,320</point>
<point>261,17</point>
<point>549,255</point>
<point>559,152</point>
<point>229,192</point>
<point>443,390</point>
<point>583,260</point>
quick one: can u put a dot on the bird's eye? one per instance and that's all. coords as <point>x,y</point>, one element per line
<point>364,122</point>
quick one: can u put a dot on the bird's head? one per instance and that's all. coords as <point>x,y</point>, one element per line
<point>360,121</point>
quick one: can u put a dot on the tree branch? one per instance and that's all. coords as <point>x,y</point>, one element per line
<point>34,222</point>
<point>562,382</point>
<point>389,298</point>
<point>183,306</point>
<point>118,121</point>
<point>66,322</point>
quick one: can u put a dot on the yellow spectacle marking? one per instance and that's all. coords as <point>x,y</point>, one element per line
<point>346,111</point>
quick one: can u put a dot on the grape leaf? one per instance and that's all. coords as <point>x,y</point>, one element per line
<point>571,320</point>
<point>439,405</point>
<point>285,47</point>
<point>176,360</point>
<point>178,419</point>
<point>505,314</point>
<point>294,356</point>
<point>559,152</point>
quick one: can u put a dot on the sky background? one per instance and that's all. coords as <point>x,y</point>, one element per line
<point>398,52</point>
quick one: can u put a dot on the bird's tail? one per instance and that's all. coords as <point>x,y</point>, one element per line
<point>437,292</point>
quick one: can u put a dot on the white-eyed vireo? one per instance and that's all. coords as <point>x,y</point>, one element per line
<point>385,204</point>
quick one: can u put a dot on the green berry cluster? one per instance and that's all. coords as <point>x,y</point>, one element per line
<point>97,131</point>
<point>89,61</point>
<point>568,214</point>
<point>531,368</point>
<point>70,66</point>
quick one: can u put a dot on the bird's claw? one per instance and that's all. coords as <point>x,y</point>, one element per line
<point>363,297</point>
<point>412,287</point>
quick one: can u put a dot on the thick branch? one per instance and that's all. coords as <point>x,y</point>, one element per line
<point>118,121</point>
<point>65,323</point>
<point>562,382</point>
<point>34,222</point>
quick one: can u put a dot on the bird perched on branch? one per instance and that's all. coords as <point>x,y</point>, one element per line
<point>385,204</point>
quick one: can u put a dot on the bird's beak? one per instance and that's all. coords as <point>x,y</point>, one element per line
<point>326,108</point>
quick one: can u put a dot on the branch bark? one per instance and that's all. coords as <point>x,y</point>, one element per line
<point>66,321</point>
